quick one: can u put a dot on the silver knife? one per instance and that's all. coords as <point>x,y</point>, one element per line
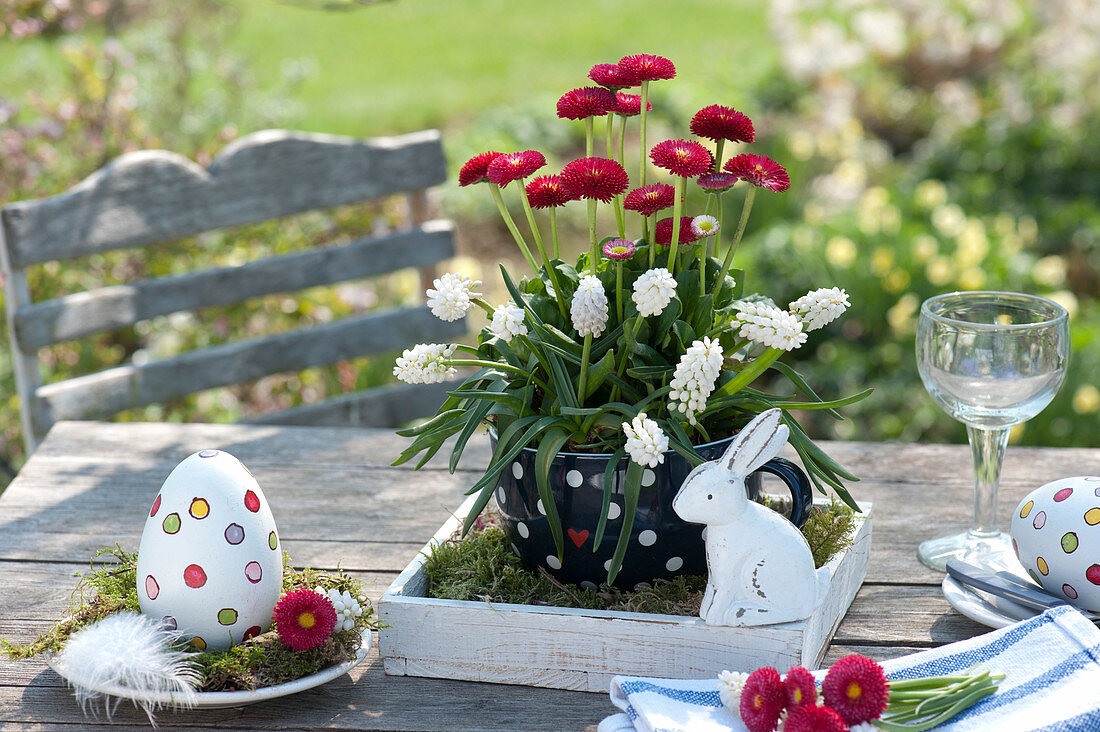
<point>988,581</point>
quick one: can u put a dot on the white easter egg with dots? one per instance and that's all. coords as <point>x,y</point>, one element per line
<point>210,565</point>
<point>1056,536</point>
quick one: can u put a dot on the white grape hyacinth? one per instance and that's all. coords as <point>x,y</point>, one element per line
<point>820,307</point>
<point>452,296</point>
<point>769,325</point>
<point>730,685</point>
<point>347,607</point>
<point>425,363</point>
<point>589,308</point>
<point>695,376</point>
<point>645,441</point>
<point>508,321</point>
<point>653,291</point>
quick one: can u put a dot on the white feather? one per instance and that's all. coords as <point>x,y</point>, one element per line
<point>129,655</point>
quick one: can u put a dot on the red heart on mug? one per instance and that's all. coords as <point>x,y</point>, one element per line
<point>578,537</point>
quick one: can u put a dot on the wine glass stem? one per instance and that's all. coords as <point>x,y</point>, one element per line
<point>988,449</point>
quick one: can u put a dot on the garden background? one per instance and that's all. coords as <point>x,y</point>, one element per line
<point>933,145</point>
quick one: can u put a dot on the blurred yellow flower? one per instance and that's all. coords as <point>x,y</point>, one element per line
<point>972,278</point>
<point>803,238</point>
<point>1004,224</point>
<point>939,270</point>
<point>840,251</point>
<point>973,244</point>
<point>896,281</point>
<point>925,247</point>
<point>890,219</point>
<point>828,144</point>
<point>1016,433</point>
<point>1086,400</point>
<point>801,145</point>
<point>882,261</point>
<point>874,197</point>
<point>949,219</point>
<point>1029,228</point>
<point>1050,271</point>
<point>1012,244</point>
<point>813,214</point>
<point>902,316</point>
<point>1066,299</point>
<point>931,193</point>
<point>851,171</point>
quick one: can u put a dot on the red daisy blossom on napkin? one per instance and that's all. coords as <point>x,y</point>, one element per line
<point>476,168</point>
<point>646,67</point>
<point>799,687</point>
<point>304,619</point>
<point>650,199</point>
<point>684,158</point>
<point>663,233</point>
<point>547,191</point>
<point>513,166</point>
<point>717,182</point>
<point>597,178</point>
<point>812,718</point>
<point>762,700</point>
<point>717,122</point>
<point>857,689</point>
<point>587,101</point>
<point>609,75</point>
<point>760,170</point>
<point>630,105</point>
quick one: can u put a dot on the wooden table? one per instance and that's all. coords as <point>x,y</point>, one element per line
<point>336,499</point>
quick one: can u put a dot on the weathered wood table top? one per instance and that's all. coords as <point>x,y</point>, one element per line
<point>336,499</point>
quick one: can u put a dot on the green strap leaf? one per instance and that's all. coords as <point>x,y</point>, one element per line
<point>632,487</point>
<point>608,477</point>
<point>549,446</point>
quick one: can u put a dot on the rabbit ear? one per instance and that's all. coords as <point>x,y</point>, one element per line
<point>756,444</point>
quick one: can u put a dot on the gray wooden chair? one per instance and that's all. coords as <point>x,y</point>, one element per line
<point>151,197</point>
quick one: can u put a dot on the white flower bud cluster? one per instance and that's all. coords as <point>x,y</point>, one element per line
<point>769,325</point>
<point>451,297</point>
<point>645,441</point>
<point>653,291</point>
<point>425,363</point>
<point>730,685</point>
<point>347,607</point>
<point>589,307</point>
<point>508,321</point>
<point>820,307</point>
<point>695,377</point>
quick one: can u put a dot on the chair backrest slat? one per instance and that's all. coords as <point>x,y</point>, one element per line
<point>110,308</point>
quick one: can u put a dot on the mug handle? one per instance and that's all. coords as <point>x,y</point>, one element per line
<point>802,498</point>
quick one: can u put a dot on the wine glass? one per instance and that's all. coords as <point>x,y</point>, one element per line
<point>991,360</point>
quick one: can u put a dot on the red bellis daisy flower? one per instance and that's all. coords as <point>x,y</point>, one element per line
<point>722,123</point>
<point>597,178</point>
<point>630,105</point>
<point>618,249</point>
<point>762,700</point>
<point>588,101</point>
<point>547,191</point>
<point>650,199</point>
<point>684,158</point>
<point>663,234</point>
<point>304,619</point>
<point>609,75</point>
<point>476,168</point>
<point>717,182</point>
<point>856,688</point>
<point>513,166</point>
<point>646,67</point>
<point>799,687</point>
<point>812,718</point>
<point>760,170</point>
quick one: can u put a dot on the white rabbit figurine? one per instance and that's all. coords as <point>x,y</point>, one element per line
<point>759,566</point>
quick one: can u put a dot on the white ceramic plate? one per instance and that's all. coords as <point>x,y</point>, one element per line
<point>996,612</point>
<point>225,699</point>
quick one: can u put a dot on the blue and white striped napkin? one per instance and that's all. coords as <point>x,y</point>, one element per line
<point>1051,664</point>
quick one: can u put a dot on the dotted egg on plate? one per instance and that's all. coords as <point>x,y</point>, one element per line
<point>210,565</point>
<point>1056,536</point>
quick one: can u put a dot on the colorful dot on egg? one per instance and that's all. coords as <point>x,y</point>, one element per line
<point>168,623</point>
<point>194,576</point>
<point>156,506</point>
<point>1068,591</point>
<point>1026,509</point>
<point>1069,542</point>
<point>245,468</point>
<point>252,632</point>
<point>208,453</point>
<point>1031,573</point>
<point>171,523</point>
<point>1042,565</point>
<point>199,643</point>
<point>252,501</point>
<point>1092,574</point>
<point>234,534</point>
<point>200,508</point>
<point>1063,495</point>
<point>1040,520</point>
<point>152,589</point>
<point>1092,516</point>
<point>227,616</point>
<point>254,572</point>
<point>273,541</point>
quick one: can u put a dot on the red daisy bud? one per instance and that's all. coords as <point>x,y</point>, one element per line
<point>799,687</point>
<point>663,234</point>
<point>618,249</point>
<point>717,182</point>
<point>547,191</point>
<point>762,700</point>
<point>722,123</point>
<point>684,158</point>
<point>608,75</point>
<point>646,67</point>
<point>760,170</point>
<point>631,104</point>
<point>856,688</point>
<point>650,199</point>
<point>513,166</point>
<point>476,168</point>
<point>597,178</point>
<point>812,718</point>
<point>303,619</point>
<point>588,101</point>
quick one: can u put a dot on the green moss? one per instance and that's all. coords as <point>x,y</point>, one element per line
<point>262,661</point>
<point>483,567</point>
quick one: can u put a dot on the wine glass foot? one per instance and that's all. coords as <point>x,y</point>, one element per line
<point>992,551</point>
